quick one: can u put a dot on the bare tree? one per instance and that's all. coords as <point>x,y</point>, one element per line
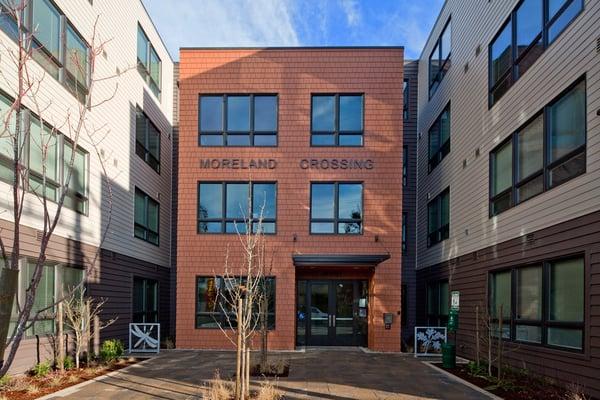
<point>80,310</point>
<point>242,296</point>
<point>26,87</point>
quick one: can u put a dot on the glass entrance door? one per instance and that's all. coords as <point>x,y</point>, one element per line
<point>332,313</point>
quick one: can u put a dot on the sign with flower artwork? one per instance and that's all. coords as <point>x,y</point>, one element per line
<point>429,340</point>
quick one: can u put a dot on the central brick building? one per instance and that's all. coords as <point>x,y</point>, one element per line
<point>314,134</point>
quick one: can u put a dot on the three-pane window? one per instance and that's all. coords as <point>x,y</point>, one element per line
<point>438,218</point>
<point>147,217</point>
<point>148,62</point>
<point>547,151</point>
<point>548,307</point>
<point>524,37</point>
<point>337,120</point>
<point>336,208</point>
<point>56,44</point>
<point>238,120</point>
<point>226,207</point>
<point>214,298</point>
<point>439,59</point>
<point>439,139</point>
<point>147,140</point>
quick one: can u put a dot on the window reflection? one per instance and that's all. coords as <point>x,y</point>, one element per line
<point>346,198</point>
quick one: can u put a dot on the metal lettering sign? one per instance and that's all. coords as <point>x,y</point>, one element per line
<point>336,163</point>
<point>455,300</point>
<point>237,163</point>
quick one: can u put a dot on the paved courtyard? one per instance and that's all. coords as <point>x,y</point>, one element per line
<point>314,374</point>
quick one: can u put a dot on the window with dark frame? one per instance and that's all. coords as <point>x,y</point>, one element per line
<point>542,304</point>
<point>337,119</point>
<point>336,208</point>
<point>57,150</point>
<point>404,223</point>
<point>146,218</point>
<point>223,206</point>
<point>212,308</point>
<point>439,59</point>
<point>438,298</point>
<point>405,94</point>
<point>56,44</point>
<point>149,64</point>
<point>438,218</point>
<point>147,140</point>
<point>404,165</point>
<point>439,138</point>
<point>238,120</point>
<point>531,27</point>
<point>548,150</point>
<point>145,300</point>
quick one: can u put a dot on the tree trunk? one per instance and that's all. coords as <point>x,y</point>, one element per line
<point>87,333</point>
<point>264,331</point>
<point>477,336</point>
<point>9,284</point>
<point>247,378</point>
<point>238,362</point>
<point>499,355</point>
<point>61,337</point>
<point>490,343</point>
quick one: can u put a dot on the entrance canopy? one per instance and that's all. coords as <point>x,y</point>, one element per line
<point>339,260</point>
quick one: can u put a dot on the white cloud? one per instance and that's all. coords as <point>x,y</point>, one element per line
<point>353,16</point>
<point>223,23</point>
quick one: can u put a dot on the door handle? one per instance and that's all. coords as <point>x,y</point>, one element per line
<point>333,321</point>
<point>329,317</point>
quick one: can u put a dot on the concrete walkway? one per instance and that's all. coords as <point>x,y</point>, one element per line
<point>314,374</point>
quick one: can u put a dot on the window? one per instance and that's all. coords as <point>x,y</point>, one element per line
<point>223,206</point>
<point>439,139</point>
<point>437,303</point>
<point>238,120</point>
<point>336,208</point>
<point>147,140</point>
<point>523,38</point>
<point>404,222</point>
<point>212,307</point>
<point>145,300</point>
<point>405,93</point>
<point>148,62</point>
<point>337,120</point>
<point>43,152</point>
<point>57,280</point>
<point>404,165</point>
<point>6,141</point>
<point>76,197</point>
<point>438,218</point>
<point>439,60</point>
<point>549,303</point>
<point>518,168</point>
<point>56,44</point>
<point>147,217</point>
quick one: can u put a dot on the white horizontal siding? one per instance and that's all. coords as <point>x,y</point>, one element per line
<point>117,26</point>
<point>475,127</point>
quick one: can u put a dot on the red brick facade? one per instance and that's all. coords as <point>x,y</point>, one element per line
<point>294,74</point>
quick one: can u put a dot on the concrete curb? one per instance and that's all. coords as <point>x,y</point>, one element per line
<point>460,380</point>
<point>72,389</point>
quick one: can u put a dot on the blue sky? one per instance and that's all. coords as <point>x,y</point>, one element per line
<point>188,23</point>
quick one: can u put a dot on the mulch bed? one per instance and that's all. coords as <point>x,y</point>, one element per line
<point>55,381</point>
<point>514,387</point>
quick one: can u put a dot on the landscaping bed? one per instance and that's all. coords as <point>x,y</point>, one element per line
<point>27,387</point>
<point>514,385</point>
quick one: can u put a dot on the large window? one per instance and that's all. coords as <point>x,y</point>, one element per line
<point>6,140</point>
<point>438,218</point>
<point>524,37</point>
<point>439,59</point>
<point>56,281</point>
<point>336,208</point>
<point>437,303</point>
<point>147,140</point>
<point>337,120</point>
<point>56,44</point>
<point>404,233</point>
<point>548,150</point>
<point>238,120</point>
<point>225,207</point>
<point>213,307</point>
<point>148,62</point>
<point>404,165</point>
<point>405,102</point>
<point>147,217</point>
<point>439,139</point>
<point>145,300</point>
<point>548,306</point>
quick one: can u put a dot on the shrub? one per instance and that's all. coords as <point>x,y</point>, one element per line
<point>111,350</point>
<point>69,362</point>
<point>42,369</point>
<point>5,381</point>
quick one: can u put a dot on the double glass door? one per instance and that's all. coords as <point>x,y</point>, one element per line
<point>332,313</point>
